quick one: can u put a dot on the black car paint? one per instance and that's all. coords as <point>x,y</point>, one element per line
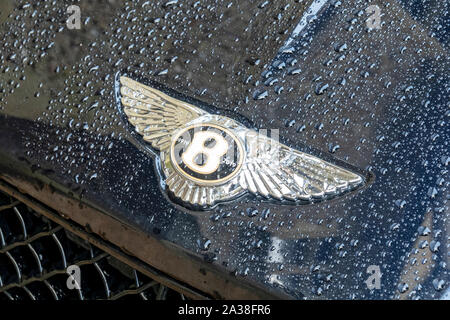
<point>397,133</point>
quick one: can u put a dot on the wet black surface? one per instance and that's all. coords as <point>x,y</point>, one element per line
<point>376,100</point>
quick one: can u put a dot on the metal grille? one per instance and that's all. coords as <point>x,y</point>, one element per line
<point>35,254</point>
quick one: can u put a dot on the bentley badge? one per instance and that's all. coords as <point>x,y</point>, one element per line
<point>208,158</point>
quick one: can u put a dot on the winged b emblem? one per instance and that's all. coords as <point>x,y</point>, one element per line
<point>209,158</point>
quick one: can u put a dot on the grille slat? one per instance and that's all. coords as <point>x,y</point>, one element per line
<point>35,253</point>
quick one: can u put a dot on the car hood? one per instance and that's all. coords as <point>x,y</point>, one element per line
<point>375,99</point>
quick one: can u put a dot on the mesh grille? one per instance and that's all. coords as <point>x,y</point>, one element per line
<point>35,253</point>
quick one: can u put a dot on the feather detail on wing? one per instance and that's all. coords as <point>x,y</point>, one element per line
<point>274,170</point>
<point>154,114</point>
